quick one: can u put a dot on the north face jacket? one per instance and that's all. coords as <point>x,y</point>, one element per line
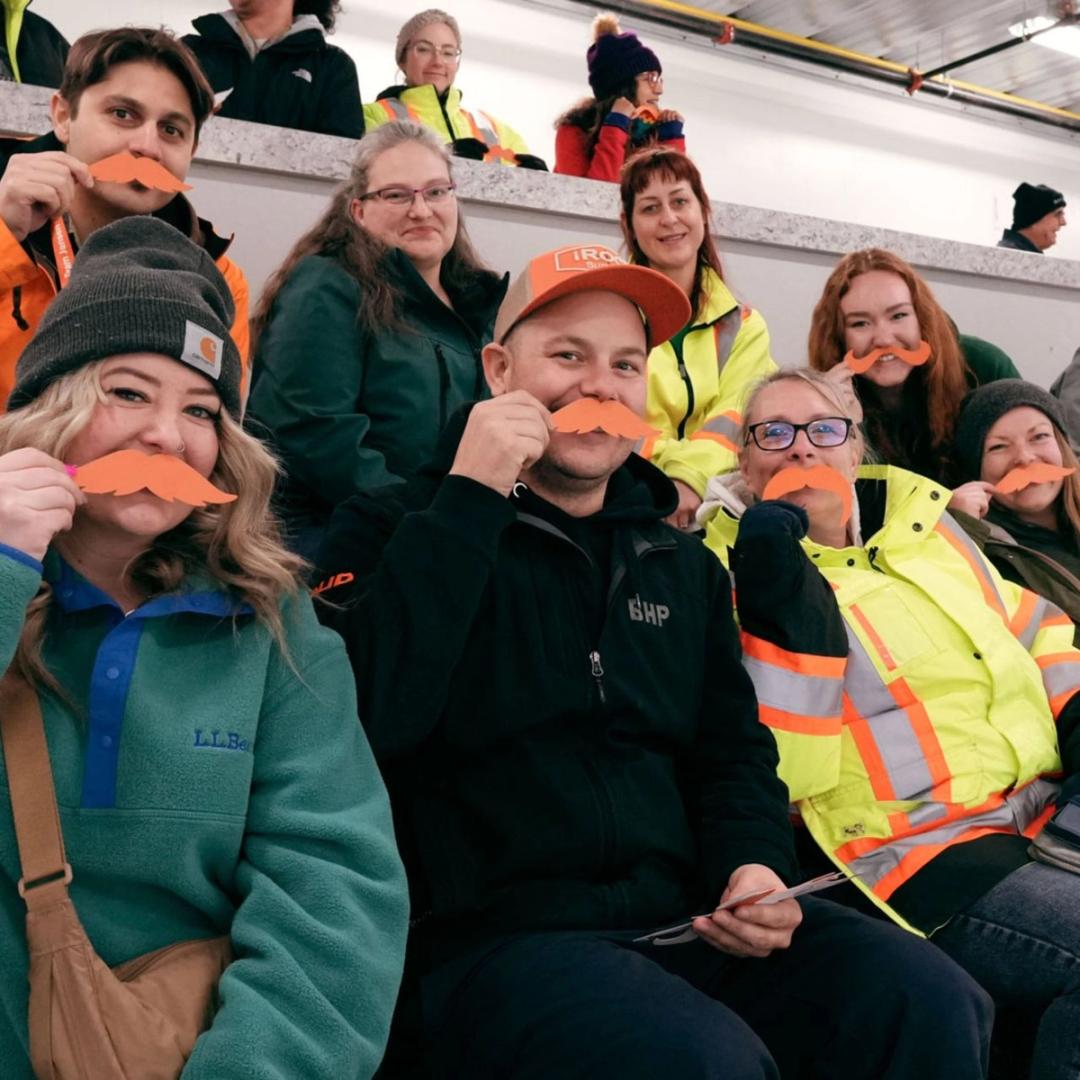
<point>557,704</point>
<point>300,81</point>
<point>34,50</point>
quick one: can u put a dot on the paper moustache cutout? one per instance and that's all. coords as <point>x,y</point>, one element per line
<point>1039,472</point>
<point>647,113</point>
<point>124,168</point>
<point>611,417</point>
<point>821,477</point>
<point>915,357</point>
<point>124,472</point>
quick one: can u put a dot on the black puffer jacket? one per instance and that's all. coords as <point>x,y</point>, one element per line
<point>301,81</point>
<point>568,745</point>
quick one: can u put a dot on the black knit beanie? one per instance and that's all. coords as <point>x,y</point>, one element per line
<point>982,409</point>
<point>1034,201</point>
<point>615,59</point>
<point>137,285</point>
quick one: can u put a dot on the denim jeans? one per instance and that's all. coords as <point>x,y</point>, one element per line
<point>1021,941</point>
<point>852,997</point>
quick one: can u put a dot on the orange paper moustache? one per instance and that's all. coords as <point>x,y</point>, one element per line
<point>126,471</point>
<point>612,417</point>
<point>915,357</point>
<point>822,477</point>
<point>124,168</point>
<point>1039,472</point>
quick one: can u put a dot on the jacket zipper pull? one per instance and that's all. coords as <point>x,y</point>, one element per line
<point>598,675</point>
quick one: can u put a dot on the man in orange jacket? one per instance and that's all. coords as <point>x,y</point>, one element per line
<point>134,90</point>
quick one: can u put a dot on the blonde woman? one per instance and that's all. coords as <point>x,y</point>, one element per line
<point>210,771</point>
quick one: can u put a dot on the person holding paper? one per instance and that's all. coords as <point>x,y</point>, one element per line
<point>550,678</point>
<point>211,775</point>
<point>132,89</point>
<point>925,709</point>
<point>1021,499</point>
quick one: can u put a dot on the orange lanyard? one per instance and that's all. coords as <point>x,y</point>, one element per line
<point>62,250</point>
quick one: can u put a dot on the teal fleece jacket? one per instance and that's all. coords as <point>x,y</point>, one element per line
<point>206,786</point>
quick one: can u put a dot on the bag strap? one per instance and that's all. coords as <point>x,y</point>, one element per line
<point>46,872</point>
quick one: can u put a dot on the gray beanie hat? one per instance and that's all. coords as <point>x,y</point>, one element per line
<point>417,23</point>
<point>984,407</point>
<point>137,285</point>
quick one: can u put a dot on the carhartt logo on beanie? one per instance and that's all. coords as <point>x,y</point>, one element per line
<point>616,59</point>
<point>1034,201</point>
<point>138,285</point>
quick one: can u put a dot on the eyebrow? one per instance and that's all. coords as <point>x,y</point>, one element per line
<point>891,307</point>
<point>137,106</point>
<point>135,373</point>
<point>586,346</point>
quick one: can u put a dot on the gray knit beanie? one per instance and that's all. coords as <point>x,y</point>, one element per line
<point>984,407</point>
<point>417,23</point>
<point>137,285</point>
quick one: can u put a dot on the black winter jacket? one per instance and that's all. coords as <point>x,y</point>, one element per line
<point>41,51</point>
<point>568,745</point>
<point>300,81</point>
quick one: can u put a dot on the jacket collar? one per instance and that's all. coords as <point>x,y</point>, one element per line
<point>718,299</point>
<point>305,34</point>
<point>424,97</point>
<point>1015,238</point>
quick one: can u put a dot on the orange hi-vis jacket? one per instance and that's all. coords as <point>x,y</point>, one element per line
<point>929,718</point>
<point>696,392</point>
<point>28,279</point>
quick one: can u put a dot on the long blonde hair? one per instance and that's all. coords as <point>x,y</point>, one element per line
<point>238,543</point>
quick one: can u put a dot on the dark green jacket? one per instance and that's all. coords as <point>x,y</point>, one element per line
<point>1034,569</point>
<point>349,409</point>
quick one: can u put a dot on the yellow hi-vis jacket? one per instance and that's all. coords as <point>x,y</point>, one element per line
<point>446,118</point>
<point>938,726</point>
<point>696,400</point>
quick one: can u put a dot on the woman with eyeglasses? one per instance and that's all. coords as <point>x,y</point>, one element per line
<point>428,55</point>
<point>925,708</point>
<point>599,133</point>
<point>369,334</point>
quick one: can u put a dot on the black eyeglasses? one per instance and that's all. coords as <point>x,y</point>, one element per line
<point>779,434</point>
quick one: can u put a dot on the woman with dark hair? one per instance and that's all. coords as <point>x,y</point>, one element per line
<point>876,314</point>
<point>598,134</point>
<point>269,62</point>
<point>369,334</point>
<point>1028,526</point>
<point>698,378</point>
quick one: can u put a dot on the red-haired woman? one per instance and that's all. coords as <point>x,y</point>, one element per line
<point>876,302</point>
<point>698,378</point>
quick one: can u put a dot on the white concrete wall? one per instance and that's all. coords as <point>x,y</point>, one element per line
<point>765,135</point>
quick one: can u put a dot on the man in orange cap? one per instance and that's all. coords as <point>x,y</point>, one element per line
<point>549,676</point>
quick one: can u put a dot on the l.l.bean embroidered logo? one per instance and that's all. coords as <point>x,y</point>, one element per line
<point>220,740</point>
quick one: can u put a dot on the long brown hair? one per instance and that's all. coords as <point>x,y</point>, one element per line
<point>336,236</point>
<point>943,378</point>
<point>671,165</point>
<point>589,114</point>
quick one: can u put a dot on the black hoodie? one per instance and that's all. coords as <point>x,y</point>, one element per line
<point>568,745</point>
<point>300,81</point>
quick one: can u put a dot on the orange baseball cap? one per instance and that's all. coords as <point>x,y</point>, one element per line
<point>588,267</point>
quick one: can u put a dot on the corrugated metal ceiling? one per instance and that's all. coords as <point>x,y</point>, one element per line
<point>924,34</point>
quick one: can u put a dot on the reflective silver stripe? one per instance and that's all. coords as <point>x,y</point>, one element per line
<point>399,108</point>
<point>889,725</point>
<point>803,695</point>
<point>722,425</point>
<point>1018,811</point>
<point>947,523</point>
<point>926,812</point>
<point>1026,637</point>
<point>727,330</point>
<point>1061,677</point>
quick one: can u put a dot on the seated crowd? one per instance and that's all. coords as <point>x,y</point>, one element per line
<point>489,697</point>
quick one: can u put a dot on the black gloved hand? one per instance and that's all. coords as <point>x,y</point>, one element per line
<point>772,516</point>
<point>531,161</point>
<point>470,148</point>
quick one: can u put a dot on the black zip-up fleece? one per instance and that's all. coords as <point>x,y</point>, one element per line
<point>545,773</point>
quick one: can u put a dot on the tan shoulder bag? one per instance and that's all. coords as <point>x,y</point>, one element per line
<point>138,1021</point>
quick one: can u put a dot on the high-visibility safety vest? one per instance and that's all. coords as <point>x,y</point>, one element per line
<point>696,401</point>
<point>938,727</point>
<point>447,119</point>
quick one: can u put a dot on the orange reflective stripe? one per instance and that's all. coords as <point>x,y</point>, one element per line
<point>871,757</point>
<point>968,553</point>
<point>798,724</point>
<point>911,863</point>
<point>1036,826</point>
<point>933,754</point>
<point>1025,613</point>
<point>828,667</point>
<point>1058,618</point>
<point>1061,678</point>
<point>875,638</point>
<point>716,437</point>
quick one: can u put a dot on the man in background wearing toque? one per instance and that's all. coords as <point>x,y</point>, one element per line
<point>1038,214</point>
<point>550,678</point>
<point>130,90</point>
